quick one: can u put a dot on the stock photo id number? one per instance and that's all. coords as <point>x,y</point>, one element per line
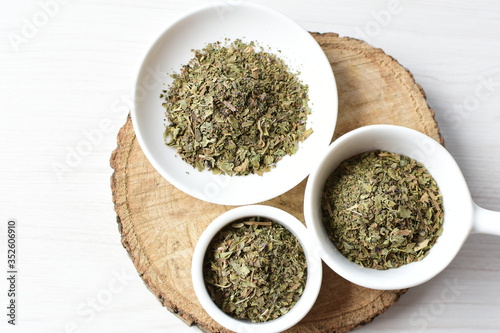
<point>11,272</point>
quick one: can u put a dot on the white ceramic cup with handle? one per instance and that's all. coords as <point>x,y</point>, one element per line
<point>461,215</point>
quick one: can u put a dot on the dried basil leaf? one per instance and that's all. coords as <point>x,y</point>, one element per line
<point>382,210</point>
<point>235,111</point>
<point>255,269</point>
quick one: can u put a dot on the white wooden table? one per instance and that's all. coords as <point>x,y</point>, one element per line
<point>66,72</point>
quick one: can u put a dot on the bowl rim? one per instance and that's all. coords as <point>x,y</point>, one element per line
<point>314,269</point>
<point>215,185</point>
<point>442,253</point>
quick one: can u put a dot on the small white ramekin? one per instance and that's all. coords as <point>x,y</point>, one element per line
<point>314,270</point>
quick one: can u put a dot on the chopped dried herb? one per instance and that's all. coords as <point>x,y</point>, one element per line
<point>382,210</point>
<point>235,110</point>
<point>255,269</point>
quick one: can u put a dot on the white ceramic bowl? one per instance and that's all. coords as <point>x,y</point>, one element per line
<point>461,215</point>
<point>249,22</point>
<point>314,270</point>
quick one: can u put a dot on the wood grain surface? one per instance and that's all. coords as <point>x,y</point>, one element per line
<point>160,224</point>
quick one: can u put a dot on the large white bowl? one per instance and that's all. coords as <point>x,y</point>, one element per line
<point>248,22</point>
<point>314,270</point>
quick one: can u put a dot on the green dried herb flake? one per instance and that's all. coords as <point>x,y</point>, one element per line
<point>382,210</point>
<point>235,110</point>
<point>255,269</point>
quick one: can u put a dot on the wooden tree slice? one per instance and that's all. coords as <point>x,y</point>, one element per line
<point>160,224</point>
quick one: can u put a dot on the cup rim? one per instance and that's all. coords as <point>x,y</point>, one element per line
<point>457,204</point>
<point>314,270</point>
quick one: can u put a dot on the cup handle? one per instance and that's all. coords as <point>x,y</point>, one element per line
<point>486,221</point>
